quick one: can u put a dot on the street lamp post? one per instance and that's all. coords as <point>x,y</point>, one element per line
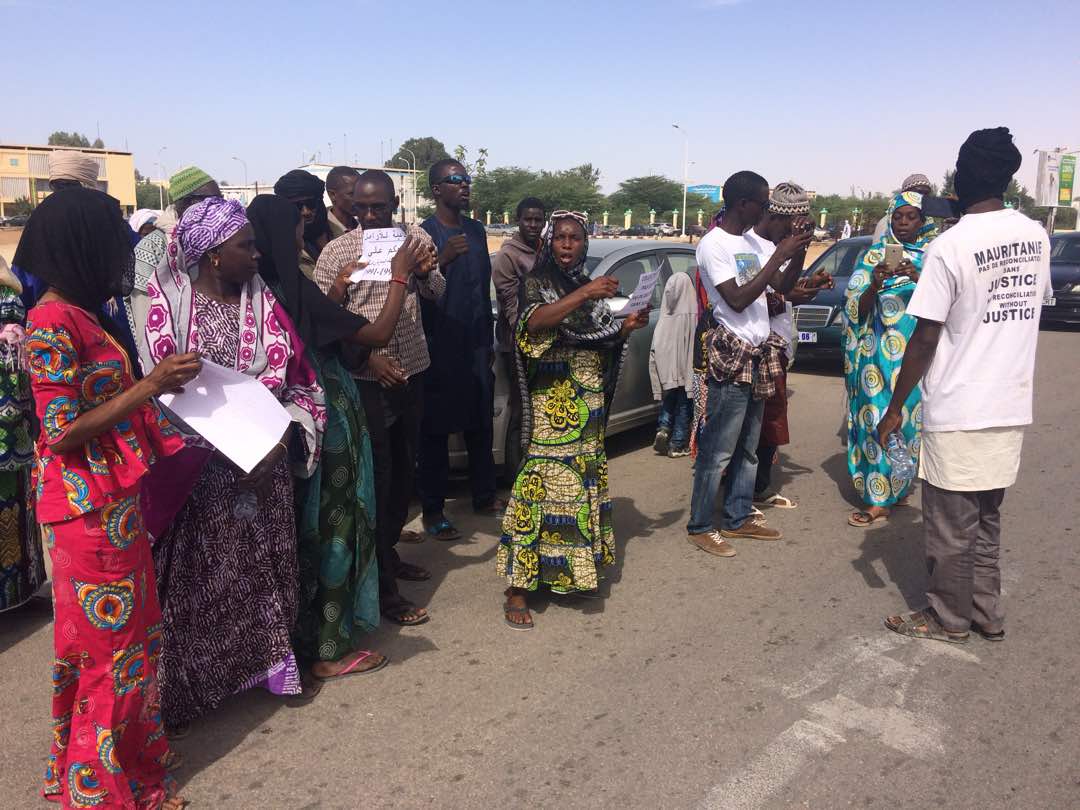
<point>685,172</point>
<point>161,176</point>
<point>413,191</point>
<point>244,164</point>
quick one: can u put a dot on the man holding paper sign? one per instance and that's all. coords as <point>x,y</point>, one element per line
<point>390,382</point>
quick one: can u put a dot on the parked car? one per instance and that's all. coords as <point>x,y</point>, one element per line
<point>666,229</point>
<point>1064,307</point>
<point>16,221</point>
<point>640,230</point>
<point>821,235</point>
<point>819,325</point>
<point>633,405</point>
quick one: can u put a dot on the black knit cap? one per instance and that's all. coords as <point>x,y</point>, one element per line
<point>987,162</point>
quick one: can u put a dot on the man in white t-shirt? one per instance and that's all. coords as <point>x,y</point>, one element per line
<point>978,304</point>
<point>789,209</point>
<point>742,358</point>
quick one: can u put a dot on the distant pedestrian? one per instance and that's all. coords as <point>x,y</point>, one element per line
<point>978,306</point>
<point>846,232</point>
<point>671,366</point>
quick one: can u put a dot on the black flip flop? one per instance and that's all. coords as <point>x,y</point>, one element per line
<point>402,608</point>
<point>412,573</point>
<point>517,611</point>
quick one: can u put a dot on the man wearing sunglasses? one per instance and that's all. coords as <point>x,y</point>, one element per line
<point>459,385</point>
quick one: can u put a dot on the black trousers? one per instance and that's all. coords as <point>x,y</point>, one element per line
<point>393,417</point>
<point>435,468</point>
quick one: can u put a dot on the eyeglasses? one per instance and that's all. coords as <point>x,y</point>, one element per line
<point>457,179</point>
<point>302,204</point>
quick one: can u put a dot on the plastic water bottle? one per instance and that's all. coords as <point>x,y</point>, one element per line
<point>899,456</point>
<point>245,506</point>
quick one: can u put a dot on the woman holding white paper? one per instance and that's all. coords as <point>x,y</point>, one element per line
<point>557,529</point>
<point>227,568</point>
<point>101,433</point>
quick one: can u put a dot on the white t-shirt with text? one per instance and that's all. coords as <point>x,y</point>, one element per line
<point>783,323</point>
<point>985,279</point>
<point>722,256</point>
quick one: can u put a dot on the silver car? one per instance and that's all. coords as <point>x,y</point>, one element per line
<point>626,260</point>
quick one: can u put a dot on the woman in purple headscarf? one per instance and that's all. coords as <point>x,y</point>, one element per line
<point>227,567</point>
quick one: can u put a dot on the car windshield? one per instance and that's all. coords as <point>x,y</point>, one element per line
<point>1064,249</point>
<point>840,260</point>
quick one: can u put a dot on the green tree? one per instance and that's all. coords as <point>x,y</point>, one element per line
<point>651,191</point>
<point>20,207</point>
<point>61,138</point>
<point>428,151</point>
<point>97,144</point>
<point>842,207</point>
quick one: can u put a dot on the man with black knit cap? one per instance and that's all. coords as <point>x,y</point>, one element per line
<point>978,304</point>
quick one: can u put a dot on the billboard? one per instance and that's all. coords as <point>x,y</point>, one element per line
<point>705,190</point>
<point>1054,185</point>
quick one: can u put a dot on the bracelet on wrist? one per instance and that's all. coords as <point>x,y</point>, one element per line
<point>399,281</point>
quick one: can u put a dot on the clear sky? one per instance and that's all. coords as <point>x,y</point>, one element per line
<point>831,94</point>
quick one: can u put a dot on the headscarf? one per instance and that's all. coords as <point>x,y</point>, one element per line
<point>592,323</point>
<point>141,217</point>
<point>206,225</point>
<point>187,180</point>
<point>987,162</point>
<point>319,320</point>
<point>67,164</point>
<point>301,184</point>
<point>77,242</point>
<point>671,357</point>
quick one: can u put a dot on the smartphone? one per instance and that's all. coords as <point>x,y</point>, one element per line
<point>894,254</point>
<point>943,207</point>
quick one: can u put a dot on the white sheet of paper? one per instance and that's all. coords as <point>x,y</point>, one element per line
<point>380,246</point>
<point>641,297</point>
<point>235,413</point>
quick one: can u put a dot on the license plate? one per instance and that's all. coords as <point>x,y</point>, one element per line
<point>807,337</point>
<point>1050,302</point>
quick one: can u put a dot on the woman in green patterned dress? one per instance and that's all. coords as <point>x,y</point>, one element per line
<point>876,331</point>
<point>557,529</point>
<point>22,566</point>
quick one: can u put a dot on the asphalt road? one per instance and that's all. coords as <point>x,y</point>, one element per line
<point>765,680</point>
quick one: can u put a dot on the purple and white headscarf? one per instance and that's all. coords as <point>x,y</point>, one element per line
<point>208,224</point>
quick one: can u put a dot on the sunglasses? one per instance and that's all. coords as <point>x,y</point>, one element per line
<point>302,204</point>
<point>561,214</point>
<point>457,179</point>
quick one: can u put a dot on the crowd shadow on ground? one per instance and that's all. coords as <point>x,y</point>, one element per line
<point>22,622</point>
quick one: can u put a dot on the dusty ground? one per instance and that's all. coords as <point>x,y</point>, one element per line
<point>762,681</point>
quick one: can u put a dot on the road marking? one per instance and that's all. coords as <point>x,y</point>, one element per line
<point>872,677</point>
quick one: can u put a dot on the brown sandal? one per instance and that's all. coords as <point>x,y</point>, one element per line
<point>924,624</point>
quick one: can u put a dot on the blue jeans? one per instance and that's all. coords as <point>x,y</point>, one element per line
<point>728,441</point>
<point>676,410</point>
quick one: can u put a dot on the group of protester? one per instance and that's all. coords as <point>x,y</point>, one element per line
<point>180,580</point>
